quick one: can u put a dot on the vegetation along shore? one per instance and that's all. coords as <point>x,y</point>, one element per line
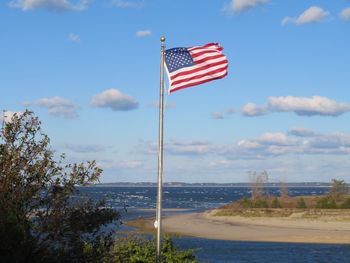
<point>304,219</point>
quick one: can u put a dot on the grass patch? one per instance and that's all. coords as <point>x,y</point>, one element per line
<point>311,207</point>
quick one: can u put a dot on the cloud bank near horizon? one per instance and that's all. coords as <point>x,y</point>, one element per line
<point>299,141</point>
<point>302,106</point>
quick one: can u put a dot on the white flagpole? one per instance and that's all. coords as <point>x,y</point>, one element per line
<point>158,223</point>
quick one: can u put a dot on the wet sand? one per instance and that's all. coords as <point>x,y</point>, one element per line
<point>265,229</point>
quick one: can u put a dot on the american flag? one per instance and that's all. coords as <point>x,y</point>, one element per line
<point>192,66</point>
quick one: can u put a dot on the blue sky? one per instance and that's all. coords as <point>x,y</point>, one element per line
<point>90,71</point>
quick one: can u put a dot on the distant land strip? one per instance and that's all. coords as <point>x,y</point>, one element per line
<point>182,184</point>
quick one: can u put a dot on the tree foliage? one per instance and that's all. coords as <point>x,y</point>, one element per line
<point>346,204</point>
<point>301,203</point>
<point>326,203</point>
<point>258,182</point>
<point>39,220</point>
<point>253,203</point>
<point>284,192</point>
<point>338,189</point>
<point>276,203</point>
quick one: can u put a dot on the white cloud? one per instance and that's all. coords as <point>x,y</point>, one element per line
<point>51,5</point>
<point>301,141</point>
<point>220,115</point>
<point>126,4</point>
<point>188,148</point>
<point>280,153</point>
<point>86,148</point>
<point>177,147</point>
<point>242,5</point>
<point>58,106</point>
<point>345,14</point>
<point>128,165</point>
<point>311,15</point>
<point>301,132</point>
<point>268,144</point>
<point>114,99</point>
<point>74,37</point>
<point>221,163</point>
<point>246,144</point>
<point>277,138</point>
<point>143,33</point>
<point>217,115</point>
<point>6,116</point>
<point>303,106</point>
<point>335,143</point>
<point>252,110</point>
<point>308,106</point>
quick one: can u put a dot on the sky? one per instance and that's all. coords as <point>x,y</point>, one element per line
<point>89,69</point>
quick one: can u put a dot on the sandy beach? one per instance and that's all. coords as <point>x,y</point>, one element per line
<point>266,229</point>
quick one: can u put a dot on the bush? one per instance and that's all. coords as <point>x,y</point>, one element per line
<point>261,203</point>
<point>257,184</point>
<point>326,203</point>
<point>338,189</point>
<point>346,204</point>
<point>39,221</point>
<point>301,203</point>
<point>141,250</point>
<point>257,203</point>
<point>246,203</point>
<point>276,203</point>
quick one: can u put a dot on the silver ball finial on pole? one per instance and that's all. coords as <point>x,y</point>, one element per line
<point>162,38</point>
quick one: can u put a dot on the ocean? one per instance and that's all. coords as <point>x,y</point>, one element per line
<point>134,202</point>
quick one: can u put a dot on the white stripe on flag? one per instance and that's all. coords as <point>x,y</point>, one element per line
<point>199,80</point>
<point>199,72</point>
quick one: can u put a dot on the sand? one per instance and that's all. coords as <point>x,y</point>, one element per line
<point>264,229</point>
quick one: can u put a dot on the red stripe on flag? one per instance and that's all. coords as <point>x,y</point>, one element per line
<point>208,58</point>
<point>197,83</point>
<point>208,51</point>
<point>200,68</point>
<point>200,75</point>
<point>205,46</point>
<point>208,64</point>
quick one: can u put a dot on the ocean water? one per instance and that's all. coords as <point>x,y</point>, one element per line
<point>135,202</point>
<point>264,252</point>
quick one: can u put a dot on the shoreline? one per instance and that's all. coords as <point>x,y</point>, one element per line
<point>260,229</point>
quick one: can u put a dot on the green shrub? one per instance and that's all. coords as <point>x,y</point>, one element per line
<point>141,250</point>
<point>276,203</point>
<point>326,203</point>
<point>346,204</point>
<point>338,189</point>
<point>261,203</point>
<point>257,203</point>
<point>246,203</point>
<point>301,203</point>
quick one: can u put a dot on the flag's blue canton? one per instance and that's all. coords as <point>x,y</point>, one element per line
<point>177,58</point>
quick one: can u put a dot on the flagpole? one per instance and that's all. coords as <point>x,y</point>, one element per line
<point>158,223</point>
